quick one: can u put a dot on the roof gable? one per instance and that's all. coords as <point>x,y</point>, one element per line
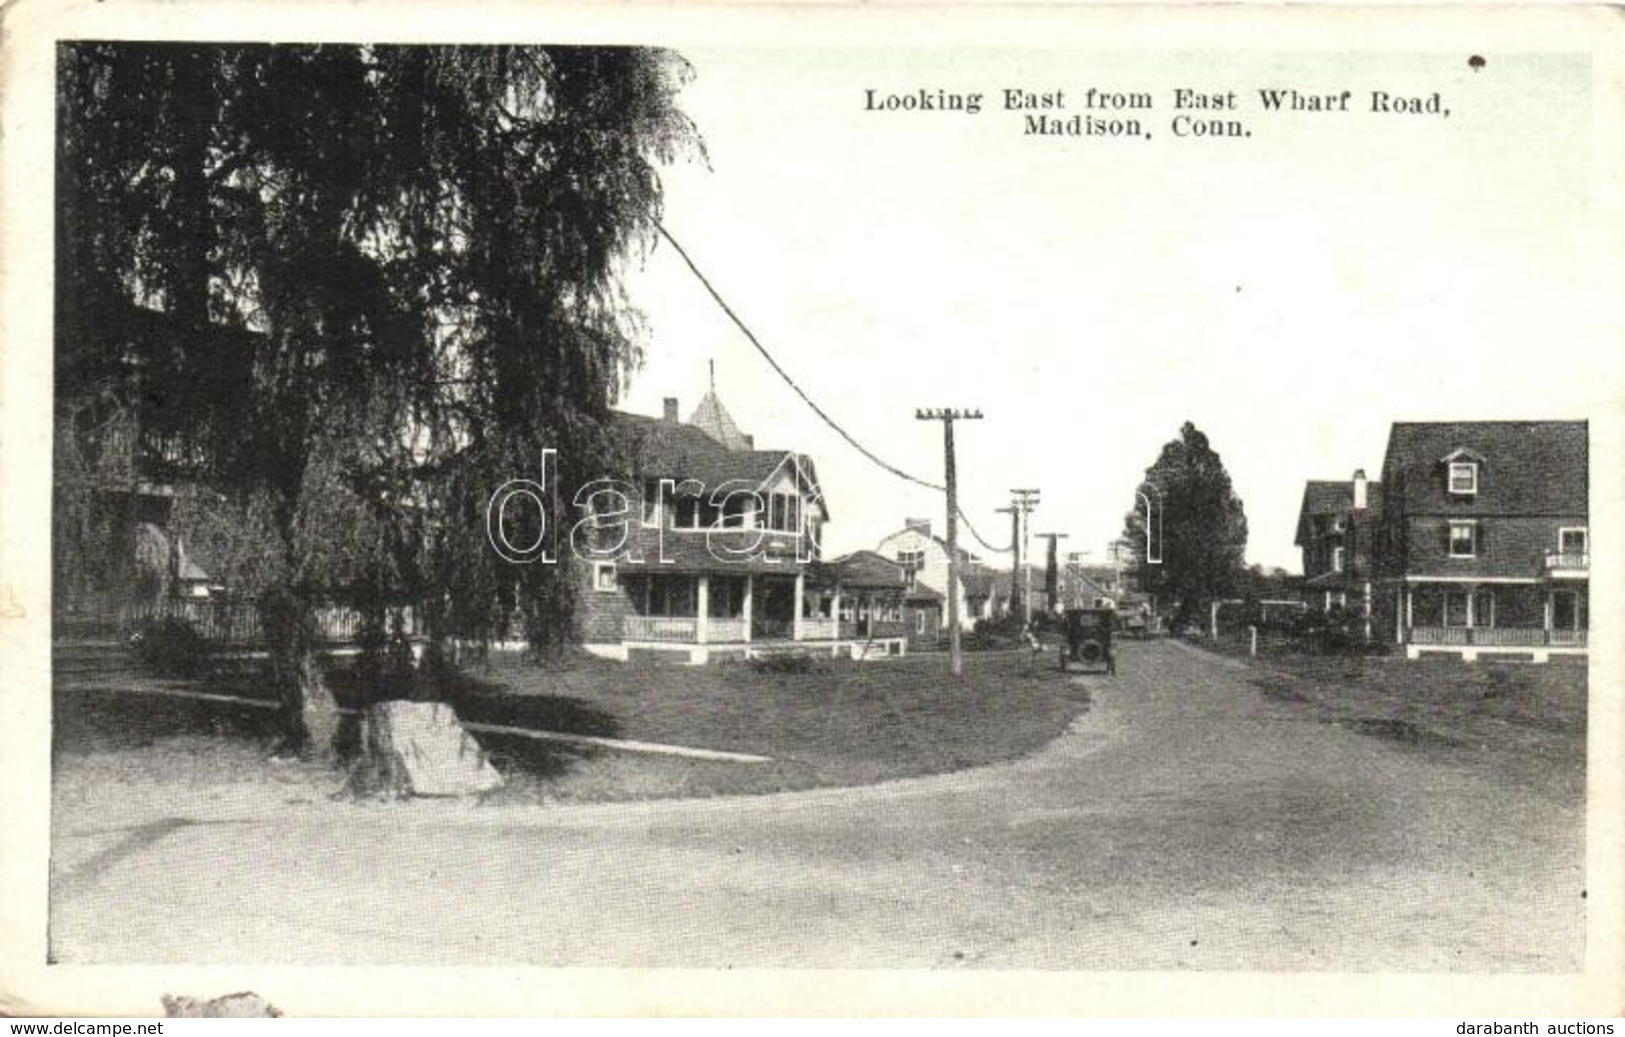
<point>965,556</point>
<point>659,449</point>
<point>1332,497</point>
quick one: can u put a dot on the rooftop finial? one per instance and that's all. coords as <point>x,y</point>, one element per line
<point>713,364</point>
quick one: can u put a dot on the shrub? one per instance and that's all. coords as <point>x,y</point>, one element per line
<point>797,663</point>
<point>170,647</point>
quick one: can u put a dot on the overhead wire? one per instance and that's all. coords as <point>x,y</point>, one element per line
<point>750,337</point>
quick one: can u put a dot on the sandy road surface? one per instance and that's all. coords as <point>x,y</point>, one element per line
<point>1186,822</point>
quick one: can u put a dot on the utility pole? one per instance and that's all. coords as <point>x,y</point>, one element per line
<point>1015,548</point>
<point>1024,501</point>
<point>948,415</point>
<point>1052,571</point>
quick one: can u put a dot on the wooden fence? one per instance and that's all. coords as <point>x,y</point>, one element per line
<point>237,623</point>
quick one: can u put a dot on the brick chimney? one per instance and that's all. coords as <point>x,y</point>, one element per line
<point>919,525</point>
<point>1359,489</point>
<point>671,409</point>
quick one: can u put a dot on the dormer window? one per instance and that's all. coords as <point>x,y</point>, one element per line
<point>1464,478</point>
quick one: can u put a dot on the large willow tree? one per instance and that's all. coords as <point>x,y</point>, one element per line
<point>353,289</point>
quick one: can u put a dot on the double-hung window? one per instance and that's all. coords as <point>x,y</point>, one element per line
<point>1463,478</point>
<point>1463,539</point>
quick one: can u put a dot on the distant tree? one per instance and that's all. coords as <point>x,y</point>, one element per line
<point>1198,529</point>
<point>1257,583</point>
<point>384,280</point>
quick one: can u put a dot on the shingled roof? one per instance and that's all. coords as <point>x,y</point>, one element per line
<point>866,570</point>
<point>1529,467</point>
<point>660,449</point>
<point>712,418</point>
<point>1333,497</point>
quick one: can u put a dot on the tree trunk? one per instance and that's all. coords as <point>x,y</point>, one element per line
<point>311,720</point>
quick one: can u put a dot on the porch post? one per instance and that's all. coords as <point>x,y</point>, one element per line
<point>800,603</point>
<point>1366,599</point>
<point>750,583</point>
<point>835,611</point>
<point>702,610</point>
<point>1410,608</point>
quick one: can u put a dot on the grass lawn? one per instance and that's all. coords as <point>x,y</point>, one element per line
<point>1527,717</point>
<point>843,723</point>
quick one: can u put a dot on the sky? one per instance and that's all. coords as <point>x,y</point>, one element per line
<point>1292,293</point>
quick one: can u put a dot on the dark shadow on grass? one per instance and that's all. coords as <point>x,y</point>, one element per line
<point>1402,731</point>
<point>109,715</point>
<point>485,702</point>
<point>1277,689</point>
<point>91,719</point>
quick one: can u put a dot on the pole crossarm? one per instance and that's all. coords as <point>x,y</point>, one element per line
<point>1022,502</point>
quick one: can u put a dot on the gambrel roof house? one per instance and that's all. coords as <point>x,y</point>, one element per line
<point>924,557</point>
<point>1484,540</point>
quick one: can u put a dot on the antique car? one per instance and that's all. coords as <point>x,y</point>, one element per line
<point>1086,639</point>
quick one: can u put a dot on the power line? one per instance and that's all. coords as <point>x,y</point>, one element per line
<point>977,536</point>
<point>750,336</point>
<point>791,382</point>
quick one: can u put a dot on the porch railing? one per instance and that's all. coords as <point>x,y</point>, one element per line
<point>679,629</point>
<point>1500,637</point>
<point>819,628</point>
<point>880,628</point>
<point>723,631</point>
<point>769,629</point>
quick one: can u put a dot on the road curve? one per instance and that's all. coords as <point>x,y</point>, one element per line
<point>1186,822</point>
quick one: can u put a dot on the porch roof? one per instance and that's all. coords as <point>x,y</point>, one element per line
<point>863,570</point>
<point>718,551</point>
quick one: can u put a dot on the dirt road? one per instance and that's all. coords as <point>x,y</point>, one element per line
<point>1185,822</point>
